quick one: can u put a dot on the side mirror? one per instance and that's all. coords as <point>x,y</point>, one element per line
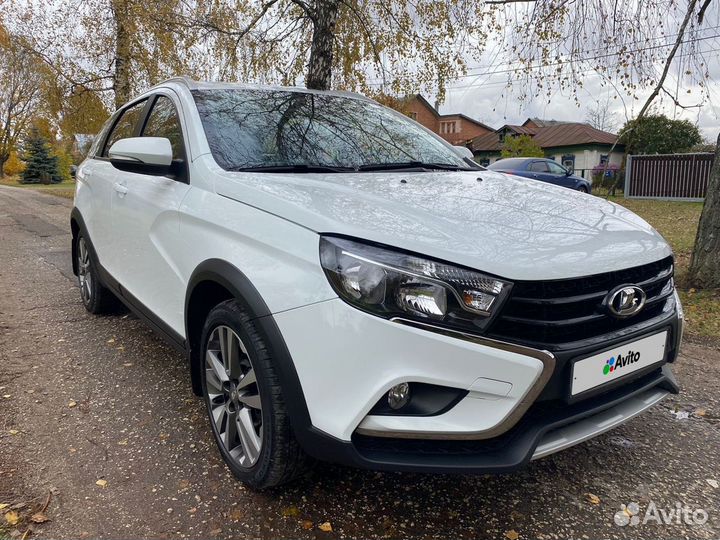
<point>73,171</point>
<point>463,152</point>
<point>142,155</point>
<point>568,172</point>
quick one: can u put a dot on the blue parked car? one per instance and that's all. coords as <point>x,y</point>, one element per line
<point>545,170</point>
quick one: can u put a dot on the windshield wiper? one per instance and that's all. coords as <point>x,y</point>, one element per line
<point>412,165</point>
<point>302,168</point>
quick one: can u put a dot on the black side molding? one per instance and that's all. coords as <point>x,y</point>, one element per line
<point>232,280</point>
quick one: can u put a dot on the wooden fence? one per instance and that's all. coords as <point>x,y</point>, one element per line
<point>670,176</point>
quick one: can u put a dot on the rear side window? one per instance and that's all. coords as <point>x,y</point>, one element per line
<point>163,121</point>
<point>125,126</point>
<point>538,166</point>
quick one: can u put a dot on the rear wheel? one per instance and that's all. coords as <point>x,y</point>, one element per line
<point>244,401</point>
<point>96,298</point>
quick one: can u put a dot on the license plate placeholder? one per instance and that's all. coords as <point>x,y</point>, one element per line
<point>613,364</point>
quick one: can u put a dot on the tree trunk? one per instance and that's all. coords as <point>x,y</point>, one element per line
<point>319,75</point>
<point>705,263</point>
<point>2,167</point>
<point>121,77</point>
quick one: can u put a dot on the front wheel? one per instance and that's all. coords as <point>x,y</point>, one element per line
<point>582,189</point>
<point>244,401</point>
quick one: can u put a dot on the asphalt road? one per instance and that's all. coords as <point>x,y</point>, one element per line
<point>85,398</point>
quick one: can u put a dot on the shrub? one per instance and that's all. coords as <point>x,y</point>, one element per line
<point>14,165</point>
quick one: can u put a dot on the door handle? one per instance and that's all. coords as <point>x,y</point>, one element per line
<point>120,188</point>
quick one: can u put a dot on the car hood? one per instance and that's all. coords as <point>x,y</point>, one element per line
<point>504,225</point>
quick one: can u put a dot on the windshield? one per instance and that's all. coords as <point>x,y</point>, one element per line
<point>271,129</point>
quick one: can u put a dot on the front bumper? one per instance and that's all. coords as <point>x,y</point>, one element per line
<point>346,360</point>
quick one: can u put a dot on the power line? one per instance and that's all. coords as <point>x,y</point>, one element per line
<point>655,38</point>
<point>578,60</point>
<point>499,83</point>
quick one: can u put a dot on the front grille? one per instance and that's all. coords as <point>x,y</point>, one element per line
<point>551,313</point>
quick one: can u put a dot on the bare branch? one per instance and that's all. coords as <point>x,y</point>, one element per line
<point>678,104</point>
<point>701,13</point>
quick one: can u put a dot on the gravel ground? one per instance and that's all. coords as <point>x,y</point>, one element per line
<point>86,399</point>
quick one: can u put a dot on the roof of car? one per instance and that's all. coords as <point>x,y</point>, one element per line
<point>192,84</point>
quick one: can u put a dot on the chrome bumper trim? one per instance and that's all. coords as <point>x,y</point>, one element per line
<point>587,428</point>
<point>546,357</point>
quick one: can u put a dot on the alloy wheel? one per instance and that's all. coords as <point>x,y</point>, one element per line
<point>84,273</point>
<point>233,396</point>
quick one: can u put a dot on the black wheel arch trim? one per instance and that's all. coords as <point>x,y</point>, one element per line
<point>237,283</point>
<point>241,288</point>
<point>77,224</point>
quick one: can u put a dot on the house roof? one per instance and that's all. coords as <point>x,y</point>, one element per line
<point>427,104</point>
<point>548,136</point>
<point>540,122</point>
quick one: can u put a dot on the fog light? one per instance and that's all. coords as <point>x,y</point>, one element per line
<point>399,395</point>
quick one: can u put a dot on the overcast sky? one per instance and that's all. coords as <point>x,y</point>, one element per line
<point>488,99</point>
<point>486,103</point>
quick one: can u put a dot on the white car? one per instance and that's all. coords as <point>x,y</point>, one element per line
<point>349,287</point>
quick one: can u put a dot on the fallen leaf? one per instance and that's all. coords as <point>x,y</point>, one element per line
<point>215,532</point>
<point>72,403</point>
<point>3,506</point>
<point>306,524</point>
<point>700,412</point>
<point>713,483</point>
<point>12,517</point>
<point>682,415</point>
<point>39,517</point>
<point>594,499</point>
<point>111,340</point>
<point>13,432</point>
<point>512,534</point>
<point>325,527</point>
<point>7,396</point>
<point>123,442</point>
<point>236,515</point>
<point>291,511</point>
<point>102,483</point>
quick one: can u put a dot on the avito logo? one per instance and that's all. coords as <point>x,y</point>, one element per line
<point>620,361</point>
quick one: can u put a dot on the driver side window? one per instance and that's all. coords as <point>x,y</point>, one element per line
<point>163,121</point>
<point>125,125</point>
<point>555,168</point>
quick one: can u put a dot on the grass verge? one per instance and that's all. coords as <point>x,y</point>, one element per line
<point>65,190</point>
<point>677,222</point>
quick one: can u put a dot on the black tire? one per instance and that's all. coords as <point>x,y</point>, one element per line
<point>582,189</point>
<point>280,458</point>
<point>96,298</point>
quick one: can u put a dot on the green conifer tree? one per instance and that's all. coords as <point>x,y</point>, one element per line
<point>41,167</point>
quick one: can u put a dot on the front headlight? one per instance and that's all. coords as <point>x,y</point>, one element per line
<point>392,284</point>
